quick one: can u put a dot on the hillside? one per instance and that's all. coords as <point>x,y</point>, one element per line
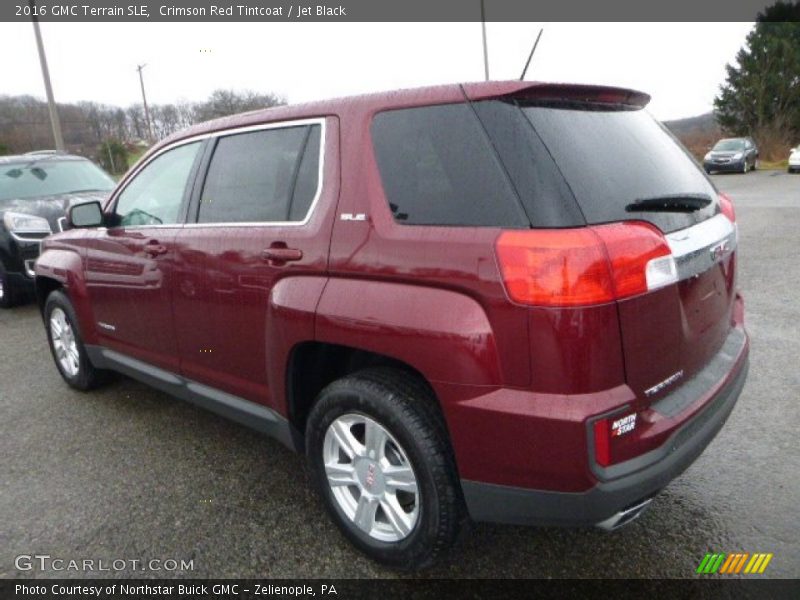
<point>698,133</point>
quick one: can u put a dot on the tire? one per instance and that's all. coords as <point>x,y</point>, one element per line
<point>744,167</point>
<point>413,444</point>
<point>8,295</point>
<point>66,344</point>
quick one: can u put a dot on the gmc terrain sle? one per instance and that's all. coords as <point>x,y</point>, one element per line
<point>510,301</point>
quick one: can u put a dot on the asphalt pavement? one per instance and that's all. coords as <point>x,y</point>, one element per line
<point>128,473</point>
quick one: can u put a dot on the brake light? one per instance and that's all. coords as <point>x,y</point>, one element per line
<point>602,450</point>
<point>726,206</point>
<point>587,265</point>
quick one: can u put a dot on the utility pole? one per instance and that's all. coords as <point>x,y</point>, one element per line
<point>51,103</point>
<point>144,101</point>
<point>485,48</point>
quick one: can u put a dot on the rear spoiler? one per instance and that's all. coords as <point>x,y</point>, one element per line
<point>556,92</point>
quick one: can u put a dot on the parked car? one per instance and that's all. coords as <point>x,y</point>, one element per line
<point>732,154</point>
<point>35,191</point>
<point>794,160</point>
<point>445,297</point>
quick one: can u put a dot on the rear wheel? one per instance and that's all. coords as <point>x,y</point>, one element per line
<point>66,344</point>
<point>381,461</point>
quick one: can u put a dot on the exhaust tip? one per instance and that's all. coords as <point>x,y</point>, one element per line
<point>624,516</point>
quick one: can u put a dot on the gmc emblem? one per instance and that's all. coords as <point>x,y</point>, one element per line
<point>720,250</point>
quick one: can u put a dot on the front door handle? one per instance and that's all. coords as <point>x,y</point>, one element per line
<point>153,248</point>
<point>280,255</point>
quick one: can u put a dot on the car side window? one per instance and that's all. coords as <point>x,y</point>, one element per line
<point>270,175</point>
<point>155,194</point>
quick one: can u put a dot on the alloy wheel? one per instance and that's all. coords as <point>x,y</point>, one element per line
<point>371,478</point>
<point>64,343</point>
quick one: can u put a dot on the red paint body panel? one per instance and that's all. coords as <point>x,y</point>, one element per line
<point>678,328</point>
<point>132,292</point>
<point>443,334</point>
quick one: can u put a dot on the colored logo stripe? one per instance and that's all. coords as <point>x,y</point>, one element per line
<point>734,563</point>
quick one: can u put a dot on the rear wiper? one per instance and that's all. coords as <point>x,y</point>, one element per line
<point>675,203</point>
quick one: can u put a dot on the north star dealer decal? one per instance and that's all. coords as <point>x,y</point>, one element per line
<point>624,425</point>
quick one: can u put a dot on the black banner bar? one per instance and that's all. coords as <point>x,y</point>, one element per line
<point>105,11</point>
<point>407,589</point>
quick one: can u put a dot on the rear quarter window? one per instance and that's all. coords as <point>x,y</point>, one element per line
<point>438,168</point>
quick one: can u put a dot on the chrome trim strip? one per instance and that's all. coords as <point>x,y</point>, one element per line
<point>321,121</point>
<point>29,271</point>
<point>696,249</point>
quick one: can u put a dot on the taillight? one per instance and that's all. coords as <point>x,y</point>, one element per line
<point>602,446</point>
<point>587,265</point>
<point>726,206</point>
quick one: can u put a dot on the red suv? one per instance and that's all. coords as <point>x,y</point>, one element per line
<point>508,301</point>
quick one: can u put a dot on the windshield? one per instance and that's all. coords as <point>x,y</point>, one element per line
<point>729,145</point>
<point>34,179</point>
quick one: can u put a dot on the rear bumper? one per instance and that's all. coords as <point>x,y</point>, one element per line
<point>631,483</point>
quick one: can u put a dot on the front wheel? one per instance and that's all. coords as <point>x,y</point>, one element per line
<point>66,344</point>
<point>380,459</point>
<point>8,296</point>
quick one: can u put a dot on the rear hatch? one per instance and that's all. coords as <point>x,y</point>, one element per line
<point>599,158</point>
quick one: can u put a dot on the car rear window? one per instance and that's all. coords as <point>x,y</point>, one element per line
<point>612,158</point>
<point>438,168</point>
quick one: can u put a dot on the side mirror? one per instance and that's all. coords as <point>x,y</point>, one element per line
<point>86,214</point>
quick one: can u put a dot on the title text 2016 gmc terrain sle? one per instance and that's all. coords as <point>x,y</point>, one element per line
<point>508,301</point>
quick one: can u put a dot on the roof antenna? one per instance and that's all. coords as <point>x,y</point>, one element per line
<point>485,50</point>
<point>530,56</point>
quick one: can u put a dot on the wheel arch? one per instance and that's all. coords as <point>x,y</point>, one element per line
<point>312,365</point>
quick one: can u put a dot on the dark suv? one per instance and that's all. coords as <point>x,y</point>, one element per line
<point>445,297</point>
<point>35,191</point>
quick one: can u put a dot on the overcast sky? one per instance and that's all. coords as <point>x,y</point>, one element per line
<point>679,64</point>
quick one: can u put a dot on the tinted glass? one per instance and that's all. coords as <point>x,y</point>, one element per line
<point>252,177</point>
<point>33,179</point>
<point>613,158</point>
<point>438,168</point>
<point>154,196</point>
<point>545,195</point>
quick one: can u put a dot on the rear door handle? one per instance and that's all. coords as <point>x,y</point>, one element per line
<point>281,255</point>
<point>153,248</point>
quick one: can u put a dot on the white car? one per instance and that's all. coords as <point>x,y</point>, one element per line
<point>794,160</point>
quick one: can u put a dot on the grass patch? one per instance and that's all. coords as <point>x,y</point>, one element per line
<point>773,165</point>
